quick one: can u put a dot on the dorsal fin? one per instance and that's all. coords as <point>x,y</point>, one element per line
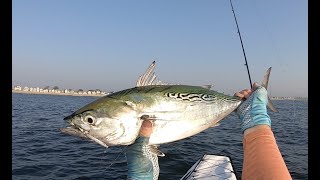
<point>149,77</point>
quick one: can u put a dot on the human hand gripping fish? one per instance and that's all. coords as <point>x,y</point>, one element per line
<point>262,159</point>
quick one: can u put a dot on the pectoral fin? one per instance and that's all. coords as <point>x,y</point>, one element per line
<point>215,125</point>
<point>155,150</point>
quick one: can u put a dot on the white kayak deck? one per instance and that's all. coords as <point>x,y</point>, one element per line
<point>211,167</point>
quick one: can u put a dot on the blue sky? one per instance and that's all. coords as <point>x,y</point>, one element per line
<point>107,44</point>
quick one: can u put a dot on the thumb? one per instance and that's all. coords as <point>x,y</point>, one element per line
<point>146,128</point>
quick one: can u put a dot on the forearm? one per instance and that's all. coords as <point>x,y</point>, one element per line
<point>262,158</point>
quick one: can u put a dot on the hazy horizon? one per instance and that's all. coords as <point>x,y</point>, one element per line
<point>107,45</point>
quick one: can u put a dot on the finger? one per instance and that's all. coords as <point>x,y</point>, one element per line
<point>240,95</point>
<point>146,124</point>
<point>255,85</point>
<point>244,94</point>
<point>247,93</point>
<point>146,128</point>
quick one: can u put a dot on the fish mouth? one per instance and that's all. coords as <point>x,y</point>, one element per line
<point>74,130</point>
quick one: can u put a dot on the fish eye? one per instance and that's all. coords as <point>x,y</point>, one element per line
<point>89,119</point>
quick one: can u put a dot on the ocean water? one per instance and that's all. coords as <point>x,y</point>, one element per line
<point>41,151</point>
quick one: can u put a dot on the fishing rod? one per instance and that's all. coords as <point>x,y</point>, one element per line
<point>244,53</point>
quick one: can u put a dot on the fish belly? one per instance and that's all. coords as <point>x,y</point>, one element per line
<point>185,120</point>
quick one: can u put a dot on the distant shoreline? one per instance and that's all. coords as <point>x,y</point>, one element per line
<point>59,94</point>
<point>290,99</point>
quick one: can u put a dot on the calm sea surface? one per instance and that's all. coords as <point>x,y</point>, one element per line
<point>41,151</point>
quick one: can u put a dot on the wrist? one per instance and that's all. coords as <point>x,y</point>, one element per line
<point>255,120</point>
<point>255,128</point>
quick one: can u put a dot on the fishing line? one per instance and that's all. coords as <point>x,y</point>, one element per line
<point>112,162</point>
<point>104,153</point>
<point>274,46</point>
<point>244,53</point>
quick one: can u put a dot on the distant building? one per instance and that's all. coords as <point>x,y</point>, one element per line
<point>67,91</point>
<point>17,88</point>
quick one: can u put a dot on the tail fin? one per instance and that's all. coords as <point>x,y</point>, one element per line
<point>265,85</point>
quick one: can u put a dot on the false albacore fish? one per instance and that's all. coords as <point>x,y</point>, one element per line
<point>176,112</point>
